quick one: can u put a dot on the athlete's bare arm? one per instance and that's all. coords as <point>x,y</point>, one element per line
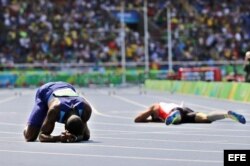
<point>144,116</point>
<point>48,127</point>
<point>87,113</point>
<point>86,133</point>
<point>30,133</point>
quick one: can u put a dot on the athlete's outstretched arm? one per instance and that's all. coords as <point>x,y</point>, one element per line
<point>144,116</point>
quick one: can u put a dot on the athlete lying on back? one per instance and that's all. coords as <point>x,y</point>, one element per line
<point>172,113</point>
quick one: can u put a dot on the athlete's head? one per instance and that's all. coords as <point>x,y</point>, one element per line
<point>247,56</point>
<point>74,125</point>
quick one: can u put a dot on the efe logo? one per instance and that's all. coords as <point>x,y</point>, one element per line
<point>236,157</point>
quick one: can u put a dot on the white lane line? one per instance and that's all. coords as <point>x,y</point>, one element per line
<point>175,101</point>
<point>106,115</point>
<point>8,99</point>
<point>7,138</point>
<point>142,134</point>
<point>10,92</point>
<point>176,128</point>
<point>154,132</point>
<point>11,124</point>
<point>173,133</point>
<point>156,149</point>
<point>125,99</point>
<point>95,111</point>
<point>4,92</point>
<point>13,98</point>
<point>104,136</point>
<point>162,98</point>
<point>222,142</point>
<point>188,103</point>
<point>187,130</point>
<point>12,133</point>
<point>130,101</point>
<point>142,148</point>
<point>168,127</point>
<point>11,112</point>
<point>212,98</point>
<point>113,156</point>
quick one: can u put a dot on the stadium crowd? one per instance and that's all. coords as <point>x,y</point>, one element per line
<point>207,29</point>
<point>82,31</point>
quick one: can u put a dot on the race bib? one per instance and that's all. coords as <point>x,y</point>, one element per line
<point>65,93</point>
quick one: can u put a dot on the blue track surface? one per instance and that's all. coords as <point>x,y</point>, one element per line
<point>116,139</point>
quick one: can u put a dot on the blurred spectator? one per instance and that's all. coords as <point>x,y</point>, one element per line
<point>207,29</point>
<point>247,66</point>
<point>56,31</point>
<point>82,31</point>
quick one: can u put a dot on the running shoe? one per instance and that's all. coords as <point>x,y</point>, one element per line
<point>173,117</point>
<point>237,117</point>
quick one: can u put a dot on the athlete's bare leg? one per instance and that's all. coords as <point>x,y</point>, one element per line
<point>31,133</point>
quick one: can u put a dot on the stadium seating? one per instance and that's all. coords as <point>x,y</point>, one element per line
<point>83,31</point>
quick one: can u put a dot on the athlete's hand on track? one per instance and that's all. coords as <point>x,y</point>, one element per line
<point>67,137</point>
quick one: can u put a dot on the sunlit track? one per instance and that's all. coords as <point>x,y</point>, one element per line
<point>152,126</point>
<point>11,97</point>
<point>146,125</point>
<point>113,156</point>
<point>177,133</point>
<point>115,138</point>
<point>142,148</point>
<point>126,138</point>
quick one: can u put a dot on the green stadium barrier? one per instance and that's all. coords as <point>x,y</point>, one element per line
<point>224,90</point>
<point>232,92</point>
<point>20,81</point>
<point>165,87</point>
<point>34,79</point>
<point>81,79</point>
<point>189,87</point>
<point>213,88</point>
<point>240,92</point>
<point>132,77</point>
<point>37,78</point>
<point>60,77</point>
<point>176,86</point>
<point>248,97</point>
<point>7,79</point>
<point>199,88</point>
